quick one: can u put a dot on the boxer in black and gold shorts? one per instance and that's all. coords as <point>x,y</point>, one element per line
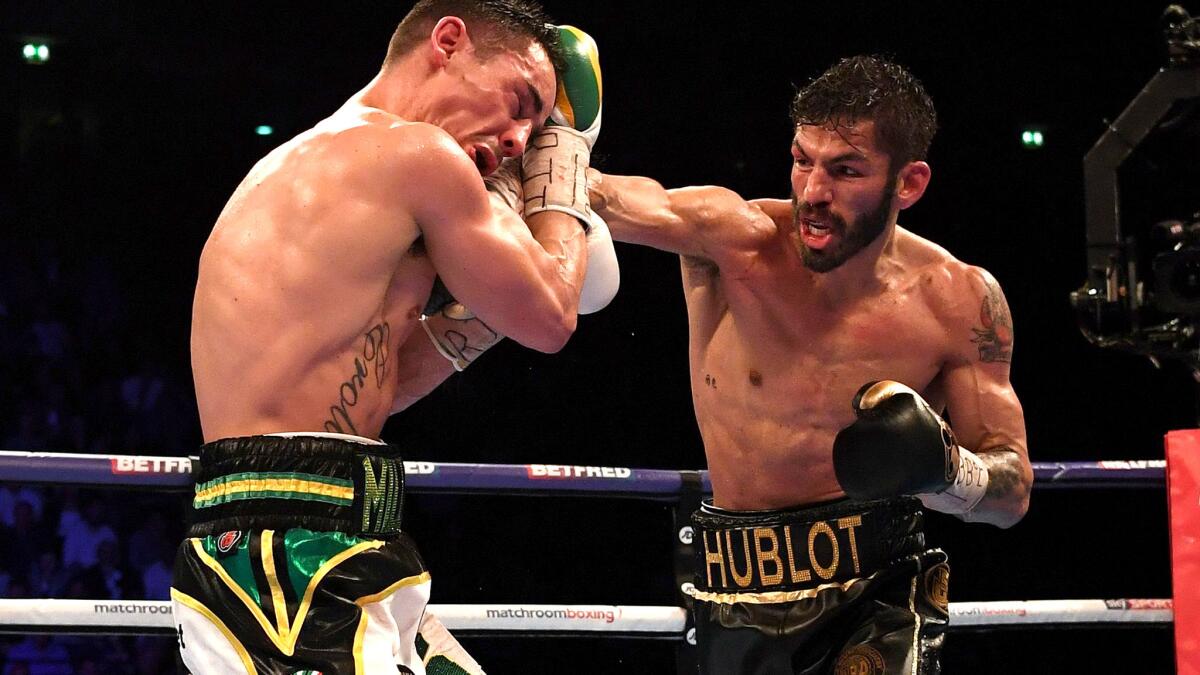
<point>295,557</point>
<point>845,588</point>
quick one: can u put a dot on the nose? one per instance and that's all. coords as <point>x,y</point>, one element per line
<point>514,140</point>
<point>818,188</point>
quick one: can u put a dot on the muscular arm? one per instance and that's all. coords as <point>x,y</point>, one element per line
<point>987,417</point>
<point>704,222</point>
<point>521,280</point>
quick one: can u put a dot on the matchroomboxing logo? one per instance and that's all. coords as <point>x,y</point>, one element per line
<point>605,615</point>
<point>128,465</point>
<point>551,471</point>
<point>120,608</point>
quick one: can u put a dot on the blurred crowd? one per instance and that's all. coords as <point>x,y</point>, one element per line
<point>81,374</point>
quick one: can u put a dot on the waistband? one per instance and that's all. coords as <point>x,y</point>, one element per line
<point>800,549</point>
<point>285,481</point>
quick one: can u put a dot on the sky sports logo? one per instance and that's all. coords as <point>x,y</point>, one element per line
<point>550,471</point>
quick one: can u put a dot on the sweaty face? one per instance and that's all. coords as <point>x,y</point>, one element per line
<point>842,193</point>
<point>823,251</point>
<point>491,105</point>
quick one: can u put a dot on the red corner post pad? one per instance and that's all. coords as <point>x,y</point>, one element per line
<point>1183,495</point>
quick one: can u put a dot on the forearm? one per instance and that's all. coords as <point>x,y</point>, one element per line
<point>1010,479</point>
<point>560,263</point>
<point>564,243</point>
<point>446,342</point>
<point>420,369</point>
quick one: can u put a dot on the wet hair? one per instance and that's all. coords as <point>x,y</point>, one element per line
<point>862,88</point>
<point>494,25</point>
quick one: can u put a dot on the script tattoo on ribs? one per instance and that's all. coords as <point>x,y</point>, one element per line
<point>995,338</point>
<point>372,360</point>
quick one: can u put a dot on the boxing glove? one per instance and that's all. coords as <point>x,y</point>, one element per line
<point>554,163</point>
<point>899,446</point>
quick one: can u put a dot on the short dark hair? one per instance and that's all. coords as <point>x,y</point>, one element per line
<point>493,25</point>
<point>872,88</point>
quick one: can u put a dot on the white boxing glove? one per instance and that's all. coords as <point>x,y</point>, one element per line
<point>603,276</point>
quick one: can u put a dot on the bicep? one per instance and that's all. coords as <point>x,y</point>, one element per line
<point>481,249</point>
<point>984,409</point>
<point>704,221</point>
<point>979,394</point>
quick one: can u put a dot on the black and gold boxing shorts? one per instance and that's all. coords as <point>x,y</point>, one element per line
<point>844,587</point>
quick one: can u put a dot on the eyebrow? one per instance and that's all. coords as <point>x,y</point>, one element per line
<point>853,155</point>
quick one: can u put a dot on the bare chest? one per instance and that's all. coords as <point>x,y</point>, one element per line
<point>813,361</point>
<point>773,386</point>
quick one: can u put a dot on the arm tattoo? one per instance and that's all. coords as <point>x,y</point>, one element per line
<point>995,338</point>
<point>1004,477</point>
<point>372,361</point>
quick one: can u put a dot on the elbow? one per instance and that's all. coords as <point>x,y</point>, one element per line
<point>1017,505</point>
<point>1013,515</point>
<point>553,332</point>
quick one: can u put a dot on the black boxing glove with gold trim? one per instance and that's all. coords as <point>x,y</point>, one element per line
<point>900,446</point>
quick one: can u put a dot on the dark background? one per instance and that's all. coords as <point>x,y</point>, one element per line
<point>123,148</point>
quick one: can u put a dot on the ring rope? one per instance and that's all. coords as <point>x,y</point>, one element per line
<point>145,617</point>
<point>175,474</point>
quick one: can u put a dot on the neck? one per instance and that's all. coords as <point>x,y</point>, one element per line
<point>864,274</point>
<point>396,90</point>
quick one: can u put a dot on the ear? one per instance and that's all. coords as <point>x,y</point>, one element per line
<point>911,184</point>
<point>449,37</point>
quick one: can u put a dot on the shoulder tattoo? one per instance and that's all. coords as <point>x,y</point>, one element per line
<point>994,337</point>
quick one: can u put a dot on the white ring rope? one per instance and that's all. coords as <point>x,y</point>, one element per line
<point>150,616</point>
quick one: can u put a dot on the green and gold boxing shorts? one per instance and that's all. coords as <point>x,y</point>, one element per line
<point>295,563</point>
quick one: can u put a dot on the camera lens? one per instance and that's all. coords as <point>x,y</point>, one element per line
<point>1177,281</point>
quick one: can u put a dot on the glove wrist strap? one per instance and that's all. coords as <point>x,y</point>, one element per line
<point>553,169</point>
<point>458,335</point>
<point>966,491</point>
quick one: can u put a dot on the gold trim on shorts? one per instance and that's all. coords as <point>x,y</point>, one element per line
<point>770,597</point>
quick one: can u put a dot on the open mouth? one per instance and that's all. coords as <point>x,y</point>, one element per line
<point>817,227</point>
<point>815,233</point>
<point>485,159</point>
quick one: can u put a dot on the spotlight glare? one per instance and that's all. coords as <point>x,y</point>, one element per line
<point>264,130</point>
<point>35,53</point>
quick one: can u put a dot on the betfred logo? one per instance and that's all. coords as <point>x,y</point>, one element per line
<point>419,468</point>
<point>548,471</point>
<point>128,465</point>
<point>1133,464</point>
